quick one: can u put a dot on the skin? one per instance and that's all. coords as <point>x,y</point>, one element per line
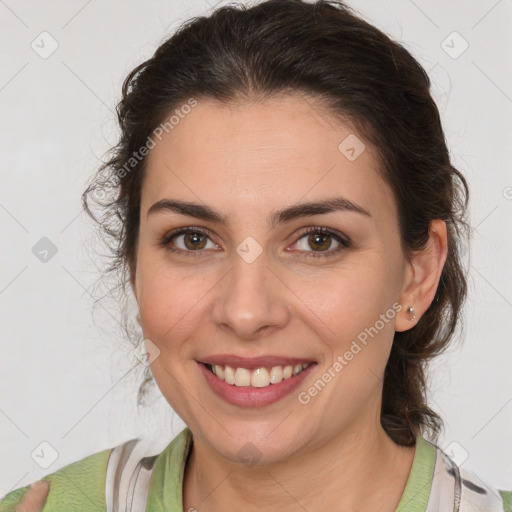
<point>245,161</point>
<point>35,498</point>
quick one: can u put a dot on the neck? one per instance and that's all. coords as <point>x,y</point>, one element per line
<point>361,469</point>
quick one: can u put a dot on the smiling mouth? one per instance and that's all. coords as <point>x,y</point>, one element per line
<point>257,378</point>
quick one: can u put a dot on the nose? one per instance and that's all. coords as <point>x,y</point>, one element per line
<point>251,300</point>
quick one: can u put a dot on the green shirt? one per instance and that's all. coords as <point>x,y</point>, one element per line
<point>435,483</point>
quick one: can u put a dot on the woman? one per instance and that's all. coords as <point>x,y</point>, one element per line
<point>291,228</point>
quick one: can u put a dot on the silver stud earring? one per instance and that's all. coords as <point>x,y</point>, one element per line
<point>410,310</point>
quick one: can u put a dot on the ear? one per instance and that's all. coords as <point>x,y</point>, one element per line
<point>422,276</point>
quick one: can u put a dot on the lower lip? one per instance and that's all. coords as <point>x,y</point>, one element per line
<point>247,396</point>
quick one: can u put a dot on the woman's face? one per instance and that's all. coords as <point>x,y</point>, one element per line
<point>258,286</point>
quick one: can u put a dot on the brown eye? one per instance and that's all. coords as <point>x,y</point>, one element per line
<point>187,241</point>
<point>193,240</point>
<point>321,240</point>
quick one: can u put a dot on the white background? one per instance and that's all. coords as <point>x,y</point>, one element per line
<point>65,378</point>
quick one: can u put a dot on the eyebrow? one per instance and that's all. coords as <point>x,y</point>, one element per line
<point>279,217</point>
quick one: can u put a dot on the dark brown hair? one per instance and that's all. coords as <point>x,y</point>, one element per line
<point>326,51</point>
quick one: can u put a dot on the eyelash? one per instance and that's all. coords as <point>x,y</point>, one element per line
<point>344,242</point>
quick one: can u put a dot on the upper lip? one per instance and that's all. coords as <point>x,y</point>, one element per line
<point>251,363</point>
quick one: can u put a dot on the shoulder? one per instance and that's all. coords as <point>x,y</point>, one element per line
<point>118,478</point>
<point>73,485</point>
<point>114,479</point>
<point>458,488</point>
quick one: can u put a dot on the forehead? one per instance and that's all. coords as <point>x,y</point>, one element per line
<point>261,156</point>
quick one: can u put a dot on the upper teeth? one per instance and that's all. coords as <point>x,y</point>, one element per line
<point>258,378</point>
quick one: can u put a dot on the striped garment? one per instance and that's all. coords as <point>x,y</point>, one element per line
<point>125,478</point>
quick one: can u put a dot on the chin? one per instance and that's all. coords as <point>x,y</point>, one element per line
<point>254,443</point>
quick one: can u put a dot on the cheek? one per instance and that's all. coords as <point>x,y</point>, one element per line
<point>168,299</point>
<point>357,330</point>
<point>349,298</point>
<point>352,309</point>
